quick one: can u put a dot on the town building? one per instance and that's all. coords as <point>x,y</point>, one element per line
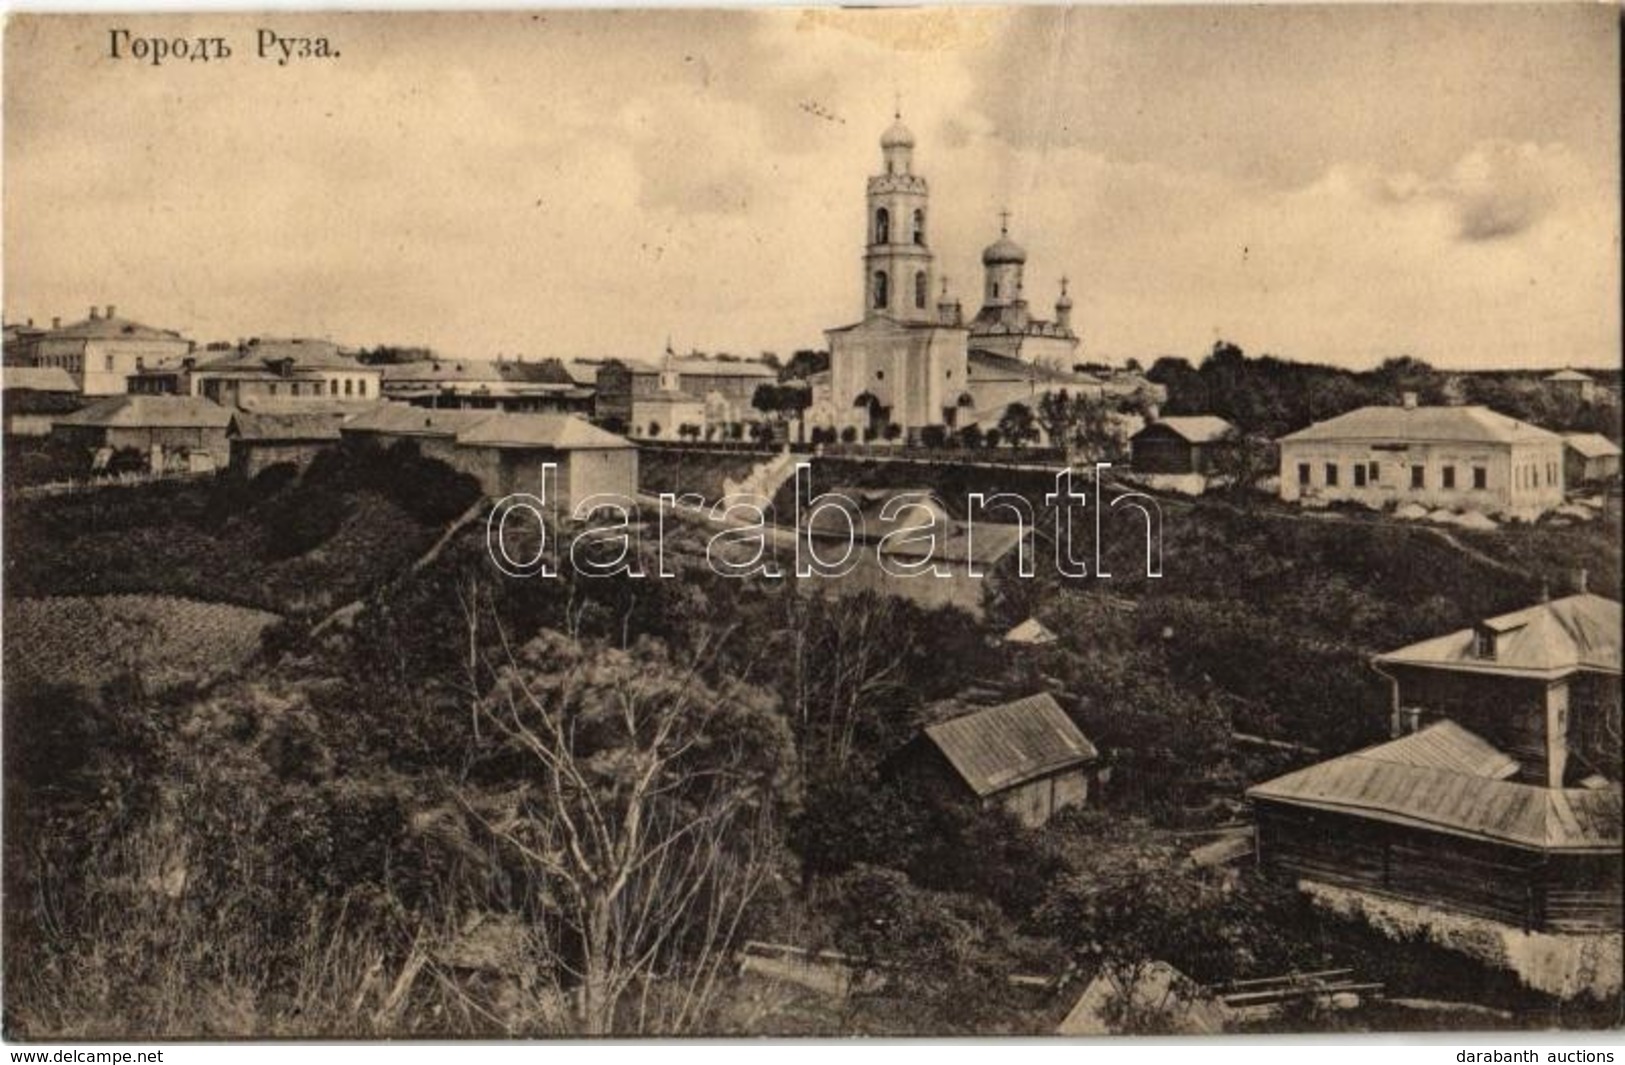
<point>507,452</point>
<point>172,433</point>
<point>517,386</point>
<point>292,369</point>
<point>1572,384</point>
<point>1589,458</point>
<point>20,341</point>
<point>1492,820</point>
<point>1181,445</point>
<point>657,400</point>
<point>258,441</point>
<point>1025,757</point>
<point>102,351</point>
<point>1465,458</point>
<point>31,397</point>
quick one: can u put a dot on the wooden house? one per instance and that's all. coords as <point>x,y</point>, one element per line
<point>1025,757</point>
<point>1541,684</point>
<point>1499,798</point>
<point>31,396</point>
<point>1180,445</point>
<point>1437,819</point>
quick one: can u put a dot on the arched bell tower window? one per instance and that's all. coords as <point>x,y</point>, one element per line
<point>882,290</point>
<point>882,226</point>
<point>920,286</point>
<point>919,229</point>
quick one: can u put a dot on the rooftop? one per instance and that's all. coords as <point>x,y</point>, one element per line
<point>1591,445</point>
<point>37,379</point>
<point>110,327</point>
<point>1547,640</point>
<point>1195,428</point>
<point>1446,779</point>
<point>1429,424</point>
<point>1006,745</point>
<point>150,412</point>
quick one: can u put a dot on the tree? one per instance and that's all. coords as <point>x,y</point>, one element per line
<point>849,435</point>
<point>971,437</point>
<point>646,821</point>
<point>1017,425</point>
<point>893,432</point>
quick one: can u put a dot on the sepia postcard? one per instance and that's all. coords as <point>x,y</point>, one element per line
<point>935,522</point>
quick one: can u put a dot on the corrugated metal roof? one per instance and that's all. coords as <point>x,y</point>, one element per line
<point>1446,745</point>
<point>1591,445</point>
<point>1004,745</point>
<point>1195,428</point>
<point>1400,424</point>
<point>1548,639</point>
<point>1410,791</point>
<point>151,412</point>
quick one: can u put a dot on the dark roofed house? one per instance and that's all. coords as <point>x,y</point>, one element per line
<point>516,386</point>
<point>1026,757</point>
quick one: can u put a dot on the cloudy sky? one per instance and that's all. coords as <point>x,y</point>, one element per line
<point>1335,184</point>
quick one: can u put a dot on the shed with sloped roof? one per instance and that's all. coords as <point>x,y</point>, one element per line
<point>1026,757</point>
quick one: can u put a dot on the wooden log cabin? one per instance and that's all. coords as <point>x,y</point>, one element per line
<point>1435,818</point>
<point>1499,798</point>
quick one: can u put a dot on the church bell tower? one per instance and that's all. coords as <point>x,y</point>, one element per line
<point>898,265</point>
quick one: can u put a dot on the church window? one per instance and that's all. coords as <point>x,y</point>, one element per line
<point>919,227</point>
<point>995,290</point>
<point>920,286</point>
<point>882,287</point>
<point>882,227</point>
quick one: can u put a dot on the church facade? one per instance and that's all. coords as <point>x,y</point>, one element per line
<point>914,361</point>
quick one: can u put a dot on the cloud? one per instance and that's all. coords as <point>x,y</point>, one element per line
<point>1502,189</point>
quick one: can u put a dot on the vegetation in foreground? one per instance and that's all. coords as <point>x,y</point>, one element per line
<point>491,807</point>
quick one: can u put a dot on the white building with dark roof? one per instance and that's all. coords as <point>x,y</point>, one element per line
<point>1457,457</point>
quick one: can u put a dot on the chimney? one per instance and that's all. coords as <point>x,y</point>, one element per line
<point>93,312</point>
<point>56,321</point>
<point>1407,400</point>
<point>110,309</point>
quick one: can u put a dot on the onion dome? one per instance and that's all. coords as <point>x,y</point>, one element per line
<point>1003,250</point>
<point>897,136</point>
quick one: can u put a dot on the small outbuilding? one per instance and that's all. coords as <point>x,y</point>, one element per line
<point>1026,757</point>
<point>260,440</point>
<point>1180,445</point>
<point>31,396</point>
<point>1589,458</point>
